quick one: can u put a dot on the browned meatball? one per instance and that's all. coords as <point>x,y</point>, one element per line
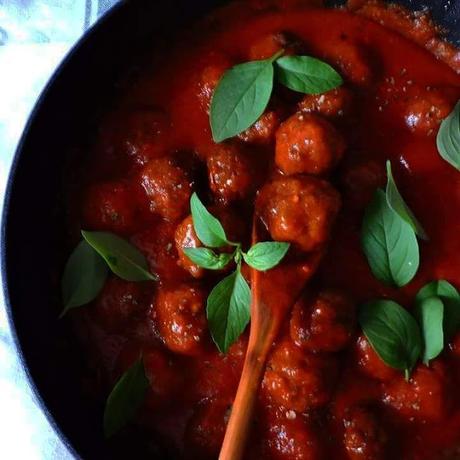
<point>289,436</point>
<point>323,321</point>
<point>309,144</point>
<point>297,380</point>
<point>137,135</point>
<point>215,66</point>
<point>300,210</point>
<point>121,302</point>
<point>268,45</point>
<point>168,188</point>
<point>165,381</point>
<point>334,103</point>
<point>364,436</point>
<point>352,61</point>
<point>425,111</point>
<point>185,237</point>
<point>360,180</point>
<point>370,363</point>
<point>263,131</point>
<point>179,314</point>
<point>205,431</point>
<point>233,172</point>
<point>426,397</point>
<point>115,206</point>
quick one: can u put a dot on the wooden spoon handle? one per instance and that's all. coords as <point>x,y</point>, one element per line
<point>263,331</point>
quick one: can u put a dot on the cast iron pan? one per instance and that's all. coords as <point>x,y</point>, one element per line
<point>32,226</point>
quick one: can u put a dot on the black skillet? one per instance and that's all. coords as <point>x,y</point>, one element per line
<point>33,222</point>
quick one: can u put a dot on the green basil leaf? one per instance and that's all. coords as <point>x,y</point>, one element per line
<point>430,315</point>
<point>450,297</point>
<point>389,243</point>
<point>398,205</point>
<point>448,139</point>
<point>208,229</point>
<point>240,98</point>
<point>126,398</point>
<point>207,258</point>
<point>307,75</point>
<point>125,260</point>
<point>228,310</point>
<point>393,333</point>
<point>266,255</point>
<point>84,277</point>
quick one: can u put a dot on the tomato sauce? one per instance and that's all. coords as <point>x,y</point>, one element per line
<point>325,393</point>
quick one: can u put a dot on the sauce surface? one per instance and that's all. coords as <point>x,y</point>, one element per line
<point>325,393</point>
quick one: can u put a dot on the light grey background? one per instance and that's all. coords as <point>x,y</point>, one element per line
<point>35,35</point>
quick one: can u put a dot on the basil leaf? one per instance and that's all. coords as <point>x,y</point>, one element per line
<point>430,315</point>
<point>240,98</point>
<point>389,243</point>
<point>451,300</point>
<point>398,205</point>
<point>126,398</point>
<point>448,139</point>
<point>228,310</point>
<point>125,260</point>
<point>393,333</point>
<point>307,75</point>
<point>266,255</point>
<point>84,277</point>
<point>208,229</point>
<point>207,258</point>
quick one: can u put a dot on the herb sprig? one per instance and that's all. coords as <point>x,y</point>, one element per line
<point>389,236</point>
<point>88,266</point>
<point>400,339</point>
<point>448,138</point>
<point>244,91</point>
<point>228,304</point>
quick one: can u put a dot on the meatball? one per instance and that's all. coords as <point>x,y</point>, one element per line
<point>425,111</point>
<point>334,103</point>
<point>157,244</point>
<point>179,314</point>
<point>352,61</point>
<point>371,364</point>
<point>297,380</point>
<point>323,321</point>
<point>425,397</point>
<point>206,429</point>
<point>168,188</point>
<point>287,435</point>
<point>268,45</point>
<point>361,179</point>
<point>364,436</point>
<point>262,132</point>
<point>300,210</point>
<point>217,375</point>
<point>215,67</point>
<point>233,172</point>
<point>121,302</point>
<point>309,144</point>
<point>138,135</point>
<point>111,207</point>
<point>186,237</point>
<point>165,380</point>
<point>160,370</point>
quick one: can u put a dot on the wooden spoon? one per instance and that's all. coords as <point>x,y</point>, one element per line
<point>273,294</point>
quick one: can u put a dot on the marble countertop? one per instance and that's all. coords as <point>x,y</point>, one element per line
<point>35,35</point>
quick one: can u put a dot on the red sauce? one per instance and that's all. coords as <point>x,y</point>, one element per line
<point>325,393</point>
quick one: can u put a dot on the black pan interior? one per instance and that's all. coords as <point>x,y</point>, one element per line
<point>32,220</point>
